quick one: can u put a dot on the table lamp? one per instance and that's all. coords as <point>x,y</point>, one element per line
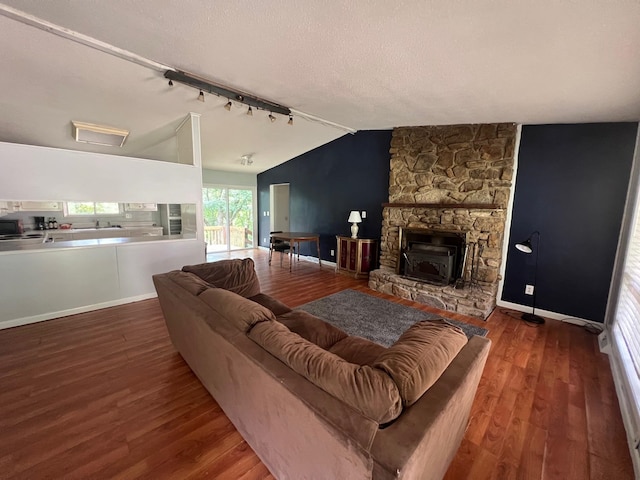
<point>355,219</point>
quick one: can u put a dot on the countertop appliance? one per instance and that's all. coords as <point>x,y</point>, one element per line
<point>11,227</point>
<point>23,238</point>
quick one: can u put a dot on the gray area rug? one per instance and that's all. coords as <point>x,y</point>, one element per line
<point>374,318</point>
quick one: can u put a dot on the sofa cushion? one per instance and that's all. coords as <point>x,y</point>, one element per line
<point>420,356</point>
<point>311,328</point>
<point>276,306</point>
<point>243,313</point>
<point>357,350</point>
<point>368,390</point>
<point>189,281</point>
<point>236,275</point>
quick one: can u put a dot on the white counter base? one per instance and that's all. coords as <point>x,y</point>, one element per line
<point>46,283</point>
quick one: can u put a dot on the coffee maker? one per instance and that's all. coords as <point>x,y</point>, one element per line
<point>39,223</point>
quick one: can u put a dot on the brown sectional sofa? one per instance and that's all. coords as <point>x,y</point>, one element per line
<point>312,401</point>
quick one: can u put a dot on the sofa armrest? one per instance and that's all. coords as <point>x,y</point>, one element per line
<point>423,441</point>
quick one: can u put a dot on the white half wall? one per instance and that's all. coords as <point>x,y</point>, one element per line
<point>45,284</point>
<point>48,283</point>
<point>43,174</point>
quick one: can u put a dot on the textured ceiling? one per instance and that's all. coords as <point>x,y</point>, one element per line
<point>365,64</point>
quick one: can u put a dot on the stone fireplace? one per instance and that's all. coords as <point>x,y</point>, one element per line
<point>445,220</point>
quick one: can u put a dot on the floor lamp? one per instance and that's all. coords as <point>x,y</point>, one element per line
<point>527,248</point>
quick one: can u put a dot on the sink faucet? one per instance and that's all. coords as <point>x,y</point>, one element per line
<point>97,223</point>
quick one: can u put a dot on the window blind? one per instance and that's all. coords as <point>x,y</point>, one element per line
<point>625,332</point>
<point>627,320</point>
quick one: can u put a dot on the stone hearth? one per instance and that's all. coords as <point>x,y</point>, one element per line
<point>449,178</point>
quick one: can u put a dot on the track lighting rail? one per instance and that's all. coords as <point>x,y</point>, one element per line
<point>203,85</point>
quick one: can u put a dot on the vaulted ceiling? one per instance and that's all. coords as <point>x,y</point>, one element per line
<point>363,64</point>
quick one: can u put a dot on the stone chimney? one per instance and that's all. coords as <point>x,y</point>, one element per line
<point>453,178</point>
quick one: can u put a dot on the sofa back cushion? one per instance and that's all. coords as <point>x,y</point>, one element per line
<point>276,306</point>
<point>241,312</point>
<point>312,328</point>
<point>421,354</point>
<point>369,391</point>
<point>189,281</point>
<point>236,275</point>
<point>357,350</point>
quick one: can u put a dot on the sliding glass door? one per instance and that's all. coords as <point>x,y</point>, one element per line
<point>228,218</point>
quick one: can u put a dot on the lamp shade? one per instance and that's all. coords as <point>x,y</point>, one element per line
<point>354,217</point>
<point>525,246</point>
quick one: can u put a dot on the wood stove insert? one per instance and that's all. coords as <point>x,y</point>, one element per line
<point>432,256</point>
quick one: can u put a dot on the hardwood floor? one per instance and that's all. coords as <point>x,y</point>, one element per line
<point>104,395</point>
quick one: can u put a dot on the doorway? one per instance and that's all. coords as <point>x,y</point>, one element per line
<point>228,218</point>
<point>279,206</point>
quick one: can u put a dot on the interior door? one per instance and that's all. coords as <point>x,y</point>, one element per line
<point>228,218</point>
<point>279,207</point>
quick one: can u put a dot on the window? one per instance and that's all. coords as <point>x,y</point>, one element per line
<point>625,324</point>
<point>91,208</point>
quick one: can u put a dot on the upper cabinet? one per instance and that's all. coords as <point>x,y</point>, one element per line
<point>5,208</point>
<point>141,207</point>
<point>38,206</point>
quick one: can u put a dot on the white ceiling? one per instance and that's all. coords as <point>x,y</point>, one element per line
<point>365,64</point>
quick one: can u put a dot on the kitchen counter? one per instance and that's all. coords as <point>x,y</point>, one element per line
<point>98,229</point>
<point>16,247</point>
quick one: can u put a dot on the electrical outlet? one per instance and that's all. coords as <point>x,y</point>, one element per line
<point>264,240</point>
<point>364,214</point>
<point>333,253</point>
<point>127,215</point>
<point>528,289</point>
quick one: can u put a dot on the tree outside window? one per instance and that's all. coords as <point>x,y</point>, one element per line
<point>92,208</point>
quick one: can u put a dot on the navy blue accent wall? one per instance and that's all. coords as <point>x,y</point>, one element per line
<point>571,186</point>
<point>350,173</point>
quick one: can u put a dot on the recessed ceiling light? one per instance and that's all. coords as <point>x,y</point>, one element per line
<point>99,134</point>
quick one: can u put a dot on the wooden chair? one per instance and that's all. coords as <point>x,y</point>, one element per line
<point>277,245</point>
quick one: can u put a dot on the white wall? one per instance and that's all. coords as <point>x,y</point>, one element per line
<point>42,173</point>
<point>50,283</point>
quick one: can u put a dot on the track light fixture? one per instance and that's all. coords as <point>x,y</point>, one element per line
<point>250,112</point>
<point>227,107</point>
<point>170,83</point>
<point>246,159</point>
<point>290,122</point>
<point>272,118</point>
<point>201,96</point>
<point>222,91</point>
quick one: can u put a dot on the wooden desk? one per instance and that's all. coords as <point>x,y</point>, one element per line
<point>296,238</point>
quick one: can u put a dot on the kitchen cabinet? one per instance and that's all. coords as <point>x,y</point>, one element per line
<point>141,207</point>
<point>6,208</point>
<point>356,256</point>
<point>144,231</point>
<point>39,206</point>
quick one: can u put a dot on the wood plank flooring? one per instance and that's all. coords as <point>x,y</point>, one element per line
<point>104,395</point>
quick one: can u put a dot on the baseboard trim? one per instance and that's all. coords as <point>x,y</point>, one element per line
<point>549,314</point>
<point>17,322</point>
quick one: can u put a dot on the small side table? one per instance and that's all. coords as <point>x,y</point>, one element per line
<point>356,256</point>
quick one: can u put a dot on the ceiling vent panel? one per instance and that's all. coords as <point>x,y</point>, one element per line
<point>99,134</point>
